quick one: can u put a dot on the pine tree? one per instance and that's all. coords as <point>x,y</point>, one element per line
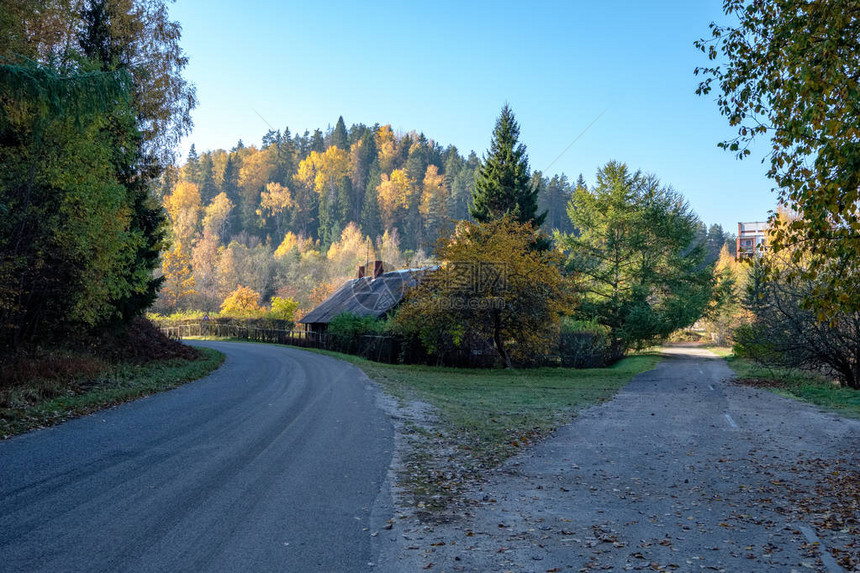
<point>230,187</point>
<point>503,185</point>
<point>208,187</point>
<point>192,166</point>
<point>317,142</point>
<point>338,136</point>
<point>371,223</point>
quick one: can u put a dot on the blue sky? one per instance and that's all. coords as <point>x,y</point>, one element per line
<point>446,68</point>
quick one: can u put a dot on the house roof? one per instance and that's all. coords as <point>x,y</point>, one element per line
<point>366,296</point>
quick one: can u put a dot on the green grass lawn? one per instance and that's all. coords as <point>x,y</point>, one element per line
<point>797,384</point>
<point>492,413</point>
<point>42,403</point>
<point>501,409</point>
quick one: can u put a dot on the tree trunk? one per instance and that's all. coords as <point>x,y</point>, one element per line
<point>500,345</point>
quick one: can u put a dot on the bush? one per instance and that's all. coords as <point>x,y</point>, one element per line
<point>283,308</point>
<point>784,332</point>
<point>347,328</point>
<point>585,344</point>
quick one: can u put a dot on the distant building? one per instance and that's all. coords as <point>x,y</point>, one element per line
<point>752,238</point>
<point>374,295</point>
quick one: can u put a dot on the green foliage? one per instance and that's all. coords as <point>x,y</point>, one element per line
<point>178,316</point>
<point>347,328</point>
<point>584,344</point>
<point>636,261</point>
<point>787,71</point>
<point>83,125</point>
<point>503,185</point>
<point>725,312</point>
<point>33,94</point>
<point>283,308</point>
<point>71,239</point>
<point>349,325</point>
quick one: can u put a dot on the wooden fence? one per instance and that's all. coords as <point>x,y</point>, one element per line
<point>573,350</point>
<point>377,348</point>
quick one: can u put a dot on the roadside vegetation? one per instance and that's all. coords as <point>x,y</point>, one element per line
<point>793,383</point>
<point>796,303</point>
<point>46,387</point>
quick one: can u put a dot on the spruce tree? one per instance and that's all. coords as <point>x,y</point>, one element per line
<point>503,184</point>
<point>192,166</point>
<point>339,135</point>
<point>208,187</point>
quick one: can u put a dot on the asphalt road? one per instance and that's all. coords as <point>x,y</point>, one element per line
<point>682,471</point>
<point>276,462</point>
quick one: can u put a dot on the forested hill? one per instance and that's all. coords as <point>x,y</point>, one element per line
<point>295,216</point>
<point>301,192</point>
<point>313,185</point>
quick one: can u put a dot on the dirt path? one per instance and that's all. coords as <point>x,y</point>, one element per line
<point>682,471</point>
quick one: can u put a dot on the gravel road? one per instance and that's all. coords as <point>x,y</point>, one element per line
<point>278,461</point>
<point>682,471</point>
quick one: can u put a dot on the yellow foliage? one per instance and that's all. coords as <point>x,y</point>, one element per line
<point>289,243</point>
<point>434,195</point>
<point>276,198</point>
<point>274,202</point>
<point>284,308</point>
<point>393,195</point>
<point>388,249</point>
<point>351,241</point>
<point>217,215</point>
<point>257,169</point>
<point>243,301</point>
<point>323,171</point>
<point>178,279</point>
<point>493,284</point>
<point>386,147</point>
<point>351,250</point>
<point>292,241</point>
<point>183,208</point>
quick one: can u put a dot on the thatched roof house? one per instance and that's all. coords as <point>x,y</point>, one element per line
<point>373,295</point>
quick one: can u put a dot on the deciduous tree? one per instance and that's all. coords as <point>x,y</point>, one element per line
<point>179,284</point>
<point>243,301</point>
<point>183,208</point>
<point>275,203</point>
<point>493,285</point>
<point>786,70</point>
<point>393,194</point>
<point>784,332</point>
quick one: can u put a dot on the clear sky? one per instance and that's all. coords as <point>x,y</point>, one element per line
<point>446,69</point>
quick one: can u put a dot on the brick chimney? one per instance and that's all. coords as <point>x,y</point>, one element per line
<point>377,268</point>
<point>361,271</point>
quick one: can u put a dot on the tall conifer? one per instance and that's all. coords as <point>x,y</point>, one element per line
<point>503,184</point>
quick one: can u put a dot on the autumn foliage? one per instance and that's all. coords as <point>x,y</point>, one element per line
<point>492,284</point>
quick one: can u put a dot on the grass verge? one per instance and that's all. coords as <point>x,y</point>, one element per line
<point>40,403</point>
<point>483,417</point>
<point>805,386</point>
